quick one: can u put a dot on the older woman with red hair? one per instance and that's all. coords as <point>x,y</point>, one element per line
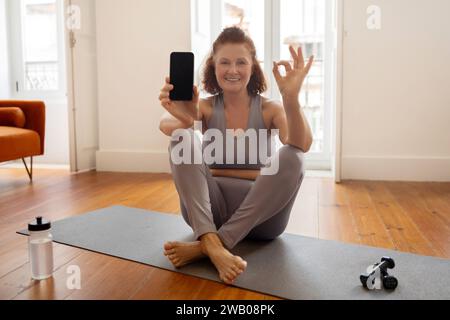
<point>226,203</point>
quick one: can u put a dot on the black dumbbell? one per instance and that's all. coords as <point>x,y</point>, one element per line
<point>389,282</point>
<point>387,263</point>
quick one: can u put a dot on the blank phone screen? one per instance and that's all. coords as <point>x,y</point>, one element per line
<point>182,75</point>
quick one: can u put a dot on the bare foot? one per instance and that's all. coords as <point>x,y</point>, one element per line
<point>183,253</point>
<point>228,265</point>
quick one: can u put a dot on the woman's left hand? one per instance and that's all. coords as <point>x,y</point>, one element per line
<point>291,84</point>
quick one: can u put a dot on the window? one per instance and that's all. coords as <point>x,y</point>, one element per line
<point>37,59</point>
<point>273,25</point>
<point>302,23</point>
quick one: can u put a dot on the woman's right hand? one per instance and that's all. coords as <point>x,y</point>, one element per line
<point>185,111</point>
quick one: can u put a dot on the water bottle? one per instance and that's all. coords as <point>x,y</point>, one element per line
<point>40,247</point>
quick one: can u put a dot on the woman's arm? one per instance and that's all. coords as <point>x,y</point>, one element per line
<point>168,123</point>
<point>179,114</point>
<point>293,125</point>
<point>290,120</point>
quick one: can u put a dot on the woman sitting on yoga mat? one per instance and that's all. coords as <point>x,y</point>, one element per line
<point>225,203</point>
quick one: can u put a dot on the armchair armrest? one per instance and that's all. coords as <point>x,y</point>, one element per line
<point>34,114</point>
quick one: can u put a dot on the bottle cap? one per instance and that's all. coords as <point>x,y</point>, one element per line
<point>39,225</point>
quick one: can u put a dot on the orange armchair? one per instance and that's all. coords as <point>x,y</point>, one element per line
<point>22,131</point>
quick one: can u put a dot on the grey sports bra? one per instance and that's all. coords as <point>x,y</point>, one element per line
<point>251,149</point>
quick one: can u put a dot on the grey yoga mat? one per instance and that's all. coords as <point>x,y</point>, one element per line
<point>291,267</point>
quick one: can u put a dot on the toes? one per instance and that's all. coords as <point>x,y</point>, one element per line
<point>226,279</point>
<point>172,257</point>
<point>175,260</point>
<point>231,275</point>
<point>237,270</point>
<point>169,252</point>
<point>177,263</point>
<point>168,246</point>
<point>242,264</point>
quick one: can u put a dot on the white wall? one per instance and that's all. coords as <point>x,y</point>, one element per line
<point>56,135</point>
<point>396,97</point>
<point>396,102</point>
<point>4,74</point>
<point>134,41</point>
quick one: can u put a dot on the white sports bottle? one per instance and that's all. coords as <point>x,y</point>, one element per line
<point>40,247</point>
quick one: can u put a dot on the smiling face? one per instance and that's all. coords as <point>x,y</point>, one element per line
<point>233,67</point>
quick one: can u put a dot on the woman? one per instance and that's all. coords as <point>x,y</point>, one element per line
<point>261,203</point>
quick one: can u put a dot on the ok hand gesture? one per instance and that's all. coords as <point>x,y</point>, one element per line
<point>291,84</point>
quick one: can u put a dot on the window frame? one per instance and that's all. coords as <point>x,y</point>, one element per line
<point>16,8</point>
<point>314,160</point>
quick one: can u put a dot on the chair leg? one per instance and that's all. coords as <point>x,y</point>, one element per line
<point>30,172</point>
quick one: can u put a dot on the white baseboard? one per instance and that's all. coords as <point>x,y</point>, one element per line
<point>396,168</point>
<point>133,161</point>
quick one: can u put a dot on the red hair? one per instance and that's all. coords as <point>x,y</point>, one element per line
<point>235,35</point>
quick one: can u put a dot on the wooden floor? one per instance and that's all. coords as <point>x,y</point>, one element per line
<point>411,217</point>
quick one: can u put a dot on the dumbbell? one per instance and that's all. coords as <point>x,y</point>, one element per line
<point>389,282</point>
<point>379,269</point>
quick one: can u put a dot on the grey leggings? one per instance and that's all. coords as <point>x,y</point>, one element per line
<point>238,208</point>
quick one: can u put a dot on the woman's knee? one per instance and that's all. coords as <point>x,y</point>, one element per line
<point>291,162</point>
<point>274,227</point>
<point>262,234</point>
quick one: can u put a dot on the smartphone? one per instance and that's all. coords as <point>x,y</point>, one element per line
<point>182,76</point>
